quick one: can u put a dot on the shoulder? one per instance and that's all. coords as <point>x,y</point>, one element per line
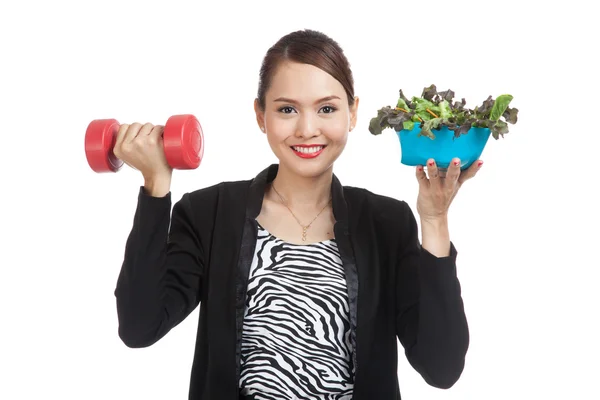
<point>225,188</point>
<point>363,200</point>
<point>389,220</point>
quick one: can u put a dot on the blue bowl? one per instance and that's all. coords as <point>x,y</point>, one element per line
<point>416,150</point>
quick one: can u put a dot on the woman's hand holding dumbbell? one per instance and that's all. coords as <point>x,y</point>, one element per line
<point>154,150</point>
<point>141,147</point>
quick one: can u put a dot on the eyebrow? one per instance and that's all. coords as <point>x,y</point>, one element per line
<point>286,100</point>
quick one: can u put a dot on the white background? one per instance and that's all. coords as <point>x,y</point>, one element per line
<point>526,227</point>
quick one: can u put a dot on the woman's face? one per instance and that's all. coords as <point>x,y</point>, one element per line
<point>306,118</point>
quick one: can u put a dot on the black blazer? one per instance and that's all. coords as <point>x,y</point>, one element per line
<point>201,254</point>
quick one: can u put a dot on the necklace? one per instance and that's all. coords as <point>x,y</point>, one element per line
<point>304,227</point>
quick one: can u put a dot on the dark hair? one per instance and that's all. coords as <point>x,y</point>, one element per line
<point>307,47</point>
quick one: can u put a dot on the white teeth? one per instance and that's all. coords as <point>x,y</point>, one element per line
<point>308,150</point>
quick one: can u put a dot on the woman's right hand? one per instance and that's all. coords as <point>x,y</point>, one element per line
<point>141,147</point>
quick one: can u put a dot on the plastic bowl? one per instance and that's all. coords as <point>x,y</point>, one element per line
<point>416,150</point>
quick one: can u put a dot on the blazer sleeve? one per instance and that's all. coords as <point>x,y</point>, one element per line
<point>430,317</point>
<point>161,275</point>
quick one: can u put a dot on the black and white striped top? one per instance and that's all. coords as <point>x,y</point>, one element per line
<point>296,338</point>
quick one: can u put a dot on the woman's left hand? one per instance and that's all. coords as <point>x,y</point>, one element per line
<point>436,192</point>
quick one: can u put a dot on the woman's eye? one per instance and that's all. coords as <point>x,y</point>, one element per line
<point>290,109</point>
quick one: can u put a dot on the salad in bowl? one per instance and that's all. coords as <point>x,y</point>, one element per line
<point>435,125</point>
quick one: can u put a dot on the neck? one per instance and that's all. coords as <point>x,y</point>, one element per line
<point>302,192</point>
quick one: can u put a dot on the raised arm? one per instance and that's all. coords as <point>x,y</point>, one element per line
<point>430,317</point>
<point>160,280</point>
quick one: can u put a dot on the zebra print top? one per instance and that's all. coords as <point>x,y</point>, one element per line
<point>296,333</point>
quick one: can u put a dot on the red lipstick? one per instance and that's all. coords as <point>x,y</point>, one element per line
<point>310,152</point>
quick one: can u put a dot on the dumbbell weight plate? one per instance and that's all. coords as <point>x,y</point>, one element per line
<point>183,142</point>
<point>100,138</point>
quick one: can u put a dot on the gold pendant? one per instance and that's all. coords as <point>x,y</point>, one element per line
<point>304,228</point>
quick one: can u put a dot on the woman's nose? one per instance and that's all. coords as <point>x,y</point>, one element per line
<point>307,127</point>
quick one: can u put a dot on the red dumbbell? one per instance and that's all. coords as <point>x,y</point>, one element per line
<point>183,143</point>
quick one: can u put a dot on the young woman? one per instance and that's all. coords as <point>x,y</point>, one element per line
<point>305,286</point>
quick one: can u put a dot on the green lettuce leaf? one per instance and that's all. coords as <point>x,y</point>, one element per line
<point>500,105</point>
<point>402,104</point>
<point>403,97</point>
<point>445,110</point>
<point>408,125</point>
<point>422,105</point>
<point>434,123</point>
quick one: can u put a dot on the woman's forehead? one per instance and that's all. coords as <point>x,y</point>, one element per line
<point>303,83</point>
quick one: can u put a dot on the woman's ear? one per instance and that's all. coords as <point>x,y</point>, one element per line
<point>354,113</point>
<point>260,115</point>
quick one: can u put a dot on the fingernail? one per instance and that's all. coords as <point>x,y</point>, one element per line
<point>480,163</point>
<point>456,162</point>
<point>430,163</point>
<point>420,168</point>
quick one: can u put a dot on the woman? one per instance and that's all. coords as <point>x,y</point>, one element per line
<point>305,285</point>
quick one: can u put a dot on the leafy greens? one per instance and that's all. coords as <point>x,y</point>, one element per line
<point>434,110</point>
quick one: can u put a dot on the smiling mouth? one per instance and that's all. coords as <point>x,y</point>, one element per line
<point>308,151</point>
